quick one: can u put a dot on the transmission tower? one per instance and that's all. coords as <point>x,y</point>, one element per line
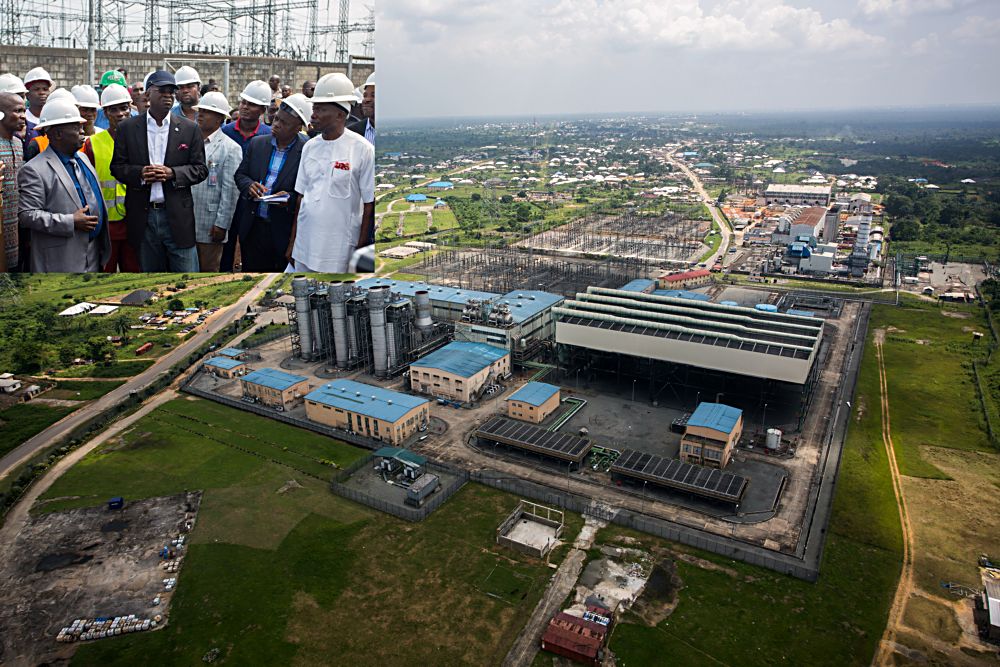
<point>340,55</point>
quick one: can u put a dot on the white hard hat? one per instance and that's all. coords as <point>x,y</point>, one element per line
<point>9,83</point>
<point>86,96</point>
<point>38,74</point>
<point>59,112</point>
<point>257,92</point>
<point>335,88</point>
<point>114,94</point>
<point>301,105</point>
<point>60,94</point>
<point>185,75</point>
<point>214,101</point>
<point>359,94</point>
<point>370,81</point>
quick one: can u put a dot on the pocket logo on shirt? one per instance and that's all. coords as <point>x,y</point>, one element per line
<point>346,166</point>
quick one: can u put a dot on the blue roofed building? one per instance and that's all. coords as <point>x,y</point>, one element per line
<point>273,387</point>
<point>711,434</point>
<point>416,198</point>
<point>533,402</point>
<point>518,321</point>
<point>232,352</point>
<point>640,285</point>
<point>682,294</point>
<point>459,371</point>
<point>374,412</point>
<point>442,185</point>
<point>225,367</point>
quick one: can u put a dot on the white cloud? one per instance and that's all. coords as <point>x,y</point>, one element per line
<point>903,8</point>
<point>925,45</point>
<point>978,28</point>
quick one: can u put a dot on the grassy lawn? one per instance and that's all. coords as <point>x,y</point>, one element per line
<point>119,369</point>
<point>415,223</point>
<point>22,421</point>
<point>444,219</point>
<point>269,576</point>
<point>53,287</point>
<point>71,390</point>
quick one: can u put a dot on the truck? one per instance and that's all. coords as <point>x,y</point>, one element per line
<point>143,349</point>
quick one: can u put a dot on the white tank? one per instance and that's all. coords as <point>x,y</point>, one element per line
<point>773,440</point>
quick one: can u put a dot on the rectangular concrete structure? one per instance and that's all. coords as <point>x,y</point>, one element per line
<point>273,387</point>
<point>533,402</point>
<point>534,439</point>
<point>374,412</point>
<point>732,339</point>
<point>459,370</point>
<point>710,435</point>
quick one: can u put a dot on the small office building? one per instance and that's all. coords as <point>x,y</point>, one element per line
<point>711,434</point>
<point>459,370</point>
<point>533,402</point>
<point>374,412</point>
<point>224,367</point>
<point>274,388</point>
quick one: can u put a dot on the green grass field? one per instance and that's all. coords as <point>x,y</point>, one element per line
<point>22,421</point>
<point>53,287</point>
<point>444,219</point>
<point>120,369</point>
<point>71,390</point>
<point>415,223</point>
<point>294,578</point>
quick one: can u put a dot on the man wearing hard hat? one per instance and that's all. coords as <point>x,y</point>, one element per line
<point>269,168</point>
<point>11,159</point>
<point>88,102</point>
<point>116,102</point>
<point>38,83</point>
<point>215,197</point>
<point>188,92</point>
<point>60,198</point>
<point>337,182</point>
<point>159,156</point>
<point>40,142</point>
<point>112,76</point>
<point>254,101</point>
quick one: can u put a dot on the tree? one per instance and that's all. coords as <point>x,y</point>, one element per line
<point>522,212</point>
<point>175,304</point>
<point>122,326</point>
<point>66,355</point>
<point>476,196</point>
<point>506,199</point>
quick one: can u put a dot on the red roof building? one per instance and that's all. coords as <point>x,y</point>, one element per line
<point>685,279</point>
<point>575,638</point>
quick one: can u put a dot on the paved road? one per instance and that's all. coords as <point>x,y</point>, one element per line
<point>720,220</point>
<point>212,326</point>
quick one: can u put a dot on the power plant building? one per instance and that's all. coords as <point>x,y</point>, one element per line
<point>225,367</point>
<point>711,434</point>
<point>713,336</point>
<point>520,321</point>
<point>459,371</point>
<point>807,195</point>
<point>374,412</point>
<point>533,402</point>
<point>274,388</point>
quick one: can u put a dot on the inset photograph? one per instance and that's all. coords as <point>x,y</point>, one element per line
<point>188,138</point>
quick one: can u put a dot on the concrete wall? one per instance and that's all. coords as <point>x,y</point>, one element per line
<point>69,66</point>
<point>451,386</point>
<point>394,433</point>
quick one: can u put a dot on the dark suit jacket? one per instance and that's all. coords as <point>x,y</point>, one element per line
<point>185,155</point>
<point>253,169</point>
<point>357,125</point>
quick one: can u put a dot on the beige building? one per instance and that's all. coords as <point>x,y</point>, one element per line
<point>225,367</point>
<point>459,371</point>
<point>711,434</point>
<point>374,412</point>
<point>533,402</point>
<point>274,388</point>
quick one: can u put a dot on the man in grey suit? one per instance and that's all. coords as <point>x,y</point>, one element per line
<point>60,199</point>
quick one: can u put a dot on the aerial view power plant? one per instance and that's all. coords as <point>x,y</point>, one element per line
<point>702,371</point>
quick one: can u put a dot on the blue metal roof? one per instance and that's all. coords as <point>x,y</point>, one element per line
<point>801,313</point>
<point>525,304</point>
<point>224,362</point>
<point>682,294</point>
<point>462,358</point>
<point>416,197</point>
<point>272,378</point>
<point>365,399</point>
<point>400,454</point>
<point>231,351</point>
<point>728,303</point>
<point>715,416</point>
<point>766,307</point>
<point>638,285</point>
<point>441,184</point>
<point>534,393</point>
<point>437,292</point>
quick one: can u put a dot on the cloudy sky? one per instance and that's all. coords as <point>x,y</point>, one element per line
<point>515,57</point>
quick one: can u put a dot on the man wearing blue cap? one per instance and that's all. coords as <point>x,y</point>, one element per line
<point>159,156</point>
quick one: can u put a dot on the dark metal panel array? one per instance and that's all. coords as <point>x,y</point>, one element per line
<point>675,474</point>
<point>534,438</point>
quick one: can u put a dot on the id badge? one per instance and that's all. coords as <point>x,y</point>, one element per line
<point>213,175</point>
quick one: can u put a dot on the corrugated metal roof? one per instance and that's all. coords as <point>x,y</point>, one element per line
<point>682,294</point>
<point>462,358</point>
<point>272,378</point>
<point>534,393</point>
<point>436,292</point>
<point>401,454</point>
<point>715,416</point>
<point>525,304</point>
<point>686,275</point>
<point>365,399</point>
<point>638,285</point>
<point>231,351</point>
<point>224,362</point>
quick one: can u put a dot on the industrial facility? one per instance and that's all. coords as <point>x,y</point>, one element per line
<point>710,435</point>
<point>731,339</point>
<point>271,387</point>
<point>225,367</point>
<point>374,412</point>
<point>533,402</point>
<point>460,371</point>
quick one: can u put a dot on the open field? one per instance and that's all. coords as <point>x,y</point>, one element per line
<point>272,567</point>
<point>20,422</point>
<point>71,390</point>
<point>119,369</point>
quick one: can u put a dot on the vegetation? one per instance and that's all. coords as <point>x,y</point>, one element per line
<point>24,420</point>
<point>77,390</point>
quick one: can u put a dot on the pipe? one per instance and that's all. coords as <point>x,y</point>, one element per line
<point>376,314</point>
<point>300,290</point>
<point>424,323</point>
<point>338,314</point>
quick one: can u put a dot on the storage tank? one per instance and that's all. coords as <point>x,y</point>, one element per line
<point>425,325</point>
<point>376,314</point>
<point>338,314</point>
<point>300,290</point>
<point>773,439</point>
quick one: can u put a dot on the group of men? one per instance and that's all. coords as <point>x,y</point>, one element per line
<point>165,175</point>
